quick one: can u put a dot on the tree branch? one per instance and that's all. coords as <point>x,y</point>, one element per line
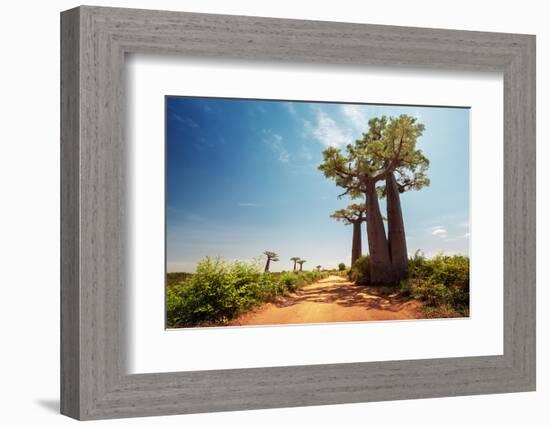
<point>391,166</point>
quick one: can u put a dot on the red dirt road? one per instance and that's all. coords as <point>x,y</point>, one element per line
<point>333,299</point>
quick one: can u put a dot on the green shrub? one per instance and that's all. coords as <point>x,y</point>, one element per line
<point>176,278</point>
<point>442,283</point>
<point>289,281</point>
<point>219,291</point>
<point>360,271</point>
<point>430,292</point>
<point>174,303</point>
<point>341,266</point>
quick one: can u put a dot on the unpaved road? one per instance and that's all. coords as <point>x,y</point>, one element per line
<point>333,299</point>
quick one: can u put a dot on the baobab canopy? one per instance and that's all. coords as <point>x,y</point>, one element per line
<point>388,146</point>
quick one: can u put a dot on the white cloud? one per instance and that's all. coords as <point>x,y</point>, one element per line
<point>443,233</point>
<point>186,121</point>
<point>457,238</point>
<point>439,231</point>
<point>357,116</point>
<point>353,121</point>
<point>275,141</point>
<point>329,133</point>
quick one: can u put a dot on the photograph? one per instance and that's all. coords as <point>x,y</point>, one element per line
<point>301,212</point>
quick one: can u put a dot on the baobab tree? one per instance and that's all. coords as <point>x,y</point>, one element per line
<point>301,262</point>
<point>271,256</point>
<point>409,173</point>
<point>383,163</point>
<point>354,214</point>
<point>295,259</point>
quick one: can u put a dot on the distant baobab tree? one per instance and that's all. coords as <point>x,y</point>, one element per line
<point>271,256</point>
<point>295,259</point>
<point>354,214</point>
<point>319,267</point>
<point>301,262</point>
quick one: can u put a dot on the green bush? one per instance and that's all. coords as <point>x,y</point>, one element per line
<point>442,283</point>
<point>360,271</point>
<point>341,266</point>
<point>308,277</point>
<point>176,278</point>
<point>214,292</point>
<point>289,281</point>
<point>219,291</point>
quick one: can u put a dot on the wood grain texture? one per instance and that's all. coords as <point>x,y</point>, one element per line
<point>94,381</point>
<point>70,220</point>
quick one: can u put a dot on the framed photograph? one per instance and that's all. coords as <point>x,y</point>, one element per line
<point>261,213</point>
<point>245,173</point>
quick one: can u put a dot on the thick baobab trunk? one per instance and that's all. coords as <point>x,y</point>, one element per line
<point>396,230</point>
<point>380,261</point>
<point>267,265</point>
<point>356,250</point>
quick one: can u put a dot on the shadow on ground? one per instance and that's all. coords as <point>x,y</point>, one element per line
<point>346,294</point>
<point>51,405</point>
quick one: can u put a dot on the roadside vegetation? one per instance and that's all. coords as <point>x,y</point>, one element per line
<point>219,291</point>
<point>441,283</point>
<point>175,278</point>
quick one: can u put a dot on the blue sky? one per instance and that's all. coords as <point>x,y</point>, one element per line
<point>242,178</point>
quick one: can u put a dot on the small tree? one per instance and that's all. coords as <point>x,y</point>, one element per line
<point>319,267</point>
<point>301,262</point>
<point>295,259</point>
<point>271,256</point>
<point>418,255</point>
<point>341,266</point>
<point>354,214</point>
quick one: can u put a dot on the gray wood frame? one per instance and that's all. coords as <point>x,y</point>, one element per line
<point>94,41</point>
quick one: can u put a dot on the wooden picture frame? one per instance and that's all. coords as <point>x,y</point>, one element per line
<point>94,382</point>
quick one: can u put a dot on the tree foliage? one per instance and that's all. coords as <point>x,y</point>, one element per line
<point>355,212</point>
<point>271,256</point>
<point>388,146</point>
